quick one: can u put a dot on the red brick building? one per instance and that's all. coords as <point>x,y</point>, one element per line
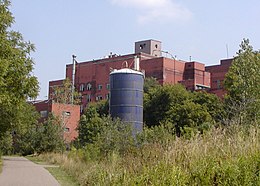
<point>218,73</point>
<point>69,115</point>
<point>92,77</point>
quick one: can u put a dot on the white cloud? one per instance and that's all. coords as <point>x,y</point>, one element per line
<point>154,11</point>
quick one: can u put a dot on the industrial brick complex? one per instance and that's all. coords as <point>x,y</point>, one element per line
<point>91,78</point>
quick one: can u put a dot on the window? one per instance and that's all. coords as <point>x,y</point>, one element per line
<point>156,46</point>
<point>89,86</point>
<point>44,113</point>
<point>81,108</point>
<point>88,98</point>
<point>66,129</point>
<point>66,113</point>
<point>99,97</point>
<point>219,84</point>
<point>82,87</point>
<point>108,86</point>
<point>107,96</point>
<point>142,46</point>
<point>99,87</point>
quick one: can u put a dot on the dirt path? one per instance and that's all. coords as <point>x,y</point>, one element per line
<point>18,171</point>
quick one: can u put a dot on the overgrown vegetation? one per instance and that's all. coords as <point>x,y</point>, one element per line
<point>186,111</point>
<point>36,138</point>
<point>223,156</point>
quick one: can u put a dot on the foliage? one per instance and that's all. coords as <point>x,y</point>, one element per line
<point>102,107</point>
<point>157,134</point>
<point>243,85</point>
<point>38,138</point>
<point>6,144</point>
<point>212,103</point>
<point>26,118</point>
<point>104,133</point>
<point>16,81</point>
<point>188,112</point>
<point>224,156</point>
<point>115,136</point>
<point>189,115</point>
<point>90,125</point>
<point>158,101</point>
<point>63,93</point>
<point>48,136</point>
<point>150,83</point>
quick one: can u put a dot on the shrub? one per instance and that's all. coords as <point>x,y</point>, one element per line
<point>6,144</point>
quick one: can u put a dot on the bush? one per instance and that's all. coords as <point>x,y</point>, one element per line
<point>42,137</point>
<point>48,137</point>
<point>6,144</point>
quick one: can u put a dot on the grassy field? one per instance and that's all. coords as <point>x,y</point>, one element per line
<point>220,157</point>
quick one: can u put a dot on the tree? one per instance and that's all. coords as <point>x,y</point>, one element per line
<point>212,103</point>
<point>41,137</point>
<point>157,102</point>
<point>48,136</point>
<point>16,80</point>
<point>90,125</point>
<point>150,83</point>
<point>26,118</point>
<point>189,115</point>
<point>242,83</point>
<point>63,94</point>
<point>186,111</point>
<point>102,107</point>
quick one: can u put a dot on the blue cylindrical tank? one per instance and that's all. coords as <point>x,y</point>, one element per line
<point>126,97</point>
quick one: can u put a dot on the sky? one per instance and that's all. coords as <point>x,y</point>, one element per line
<point>203,31</point>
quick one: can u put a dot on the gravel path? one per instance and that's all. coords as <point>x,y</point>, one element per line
<point>18,171</point>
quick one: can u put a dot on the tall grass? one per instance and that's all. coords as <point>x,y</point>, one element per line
<point>224,156</point>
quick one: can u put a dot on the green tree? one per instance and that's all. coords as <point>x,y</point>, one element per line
<point>186,111</point>
<point>63,93</point>
<point>42,137</point>
<point>16,80</point>
<point>213,104</point>
<point>90,125</point>
<point>157,102</point>
<point>189,117</point>
<point>26,118</point>
<point>149,83</point>
<point>102,107</point>
<point>48,136</point>
<point>242,83</point>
